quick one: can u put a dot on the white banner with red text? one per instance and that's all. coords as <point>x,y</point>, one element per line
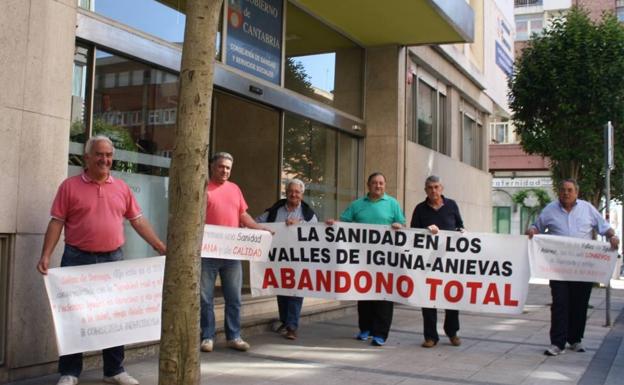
<point>571,259</point>
<point>106,304</point>
<point>235,243</point>
<point>348,261</point>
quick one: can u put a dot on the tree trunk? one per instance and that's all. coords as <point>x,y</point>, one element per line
<point>179,345</point>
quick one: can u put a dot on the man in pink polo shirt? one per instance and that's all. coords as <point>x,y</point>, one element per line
<point>92,207</point>
<point>225,206</point>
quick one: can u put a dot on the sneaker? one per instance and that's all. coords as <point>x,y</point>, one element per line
<point>291,334</point>
<point>378,341</point>
<point>122,378</point>
<point>67,380</point>
<point>362,336</point>
<point>429,343</point>
<point>455,340</point>
<point>238,344</point>
<point>553,350</point>
<point>206,345</point>
<point>279,328</point>
<point>577,347</point>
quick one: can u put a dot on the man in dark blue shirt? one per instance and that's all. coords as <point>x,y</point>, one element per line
<point>436,213</point>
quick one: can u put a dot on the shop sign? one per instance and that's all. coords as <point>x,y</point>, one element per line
<point>254,37</point>
<point>521,182</point>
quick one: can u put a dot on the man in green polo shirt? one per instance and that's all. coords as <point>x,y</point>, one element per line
<point>379,208</point>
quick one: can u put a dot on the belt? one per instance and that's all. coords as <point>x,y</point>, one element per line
<point>93,252</point>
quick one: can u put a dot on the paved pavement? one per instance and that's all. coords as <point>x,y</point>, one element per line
<point>496,349</point>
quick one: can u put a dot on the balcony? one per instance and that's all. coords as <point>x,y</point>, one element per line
<point>522,7</point>
<point>527,3</point>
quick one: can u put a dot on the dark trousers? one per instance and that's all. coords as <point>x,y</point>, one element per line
<point>568,312</point>
<point>289,310</point>
<point>71,365</point>
<point>430,323</point>
<point>375,317</point>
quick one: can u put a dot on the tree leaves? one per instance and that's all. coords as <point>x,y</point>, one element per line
<point>566,85</point>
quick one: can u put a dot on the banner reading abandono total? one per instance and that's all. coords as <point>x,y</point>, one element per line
<point>347,261</point>
<point>107,304</point>
<point>571,259</point>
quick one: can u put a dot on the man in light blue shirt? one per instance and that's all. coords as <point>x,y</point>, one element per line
<point>570,217</point>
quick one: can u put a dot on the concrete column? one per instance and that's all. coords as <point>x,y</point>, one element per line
<point>385,116</point>
<point>37,41</point>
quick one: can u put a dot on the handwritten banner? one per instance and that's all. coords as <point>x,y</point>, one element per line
<point>104,305</point>
<point>235,243</point>
<point>450,270</point>
<point>571,259</point>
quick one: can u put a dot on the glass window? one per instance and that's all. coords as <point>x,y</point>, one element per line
<point>149,16</point>
<point>620,13</point>
<point>132,116</point>
<point>500,132</point>
<point>442,125</point>
<point>472,138</point>
<point>79,105</point>
<point>348,157</point>
<point>311,154</point>
<point>468,140</point>
<point>322,64</point>
<point>501,220</point>
<point>426,110</point>
<point>526,25</point>
<point>522,29</point>
<point>158,18</point>
<point>429,111</point>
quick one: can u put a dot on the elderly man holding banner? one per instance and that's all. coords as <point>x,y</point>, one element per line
<point>91,207</point>
<point>436,213</point>
<point>292,211</point>
<point>570,217</point>
<point>379,208</point>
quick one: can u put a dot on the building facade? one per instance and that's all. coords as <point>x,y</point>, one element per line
<point>302,89</point>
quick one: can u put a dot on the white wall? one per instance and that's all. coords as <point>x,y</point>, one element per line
<point>550,5</point>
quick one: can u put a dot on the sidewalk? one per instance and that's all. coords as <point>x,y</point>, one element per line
<point>496,349</point>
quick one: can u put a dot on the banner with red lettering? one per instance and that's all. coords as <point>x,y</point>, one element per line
<point>235,243</point>
<point>106,304</point>
<point>571,259</point>
<point>348,261</point>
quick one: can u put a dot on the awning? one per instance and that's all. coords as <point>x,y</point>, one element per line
<point>402,22</point>
<point>384,22</point>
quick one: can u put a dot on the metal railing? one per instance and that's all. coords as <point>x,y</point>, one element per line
<point>527,3</point>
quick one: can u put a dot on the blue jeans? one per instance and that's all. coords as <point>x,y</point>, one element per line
<point>71,365</point>
<point>231,273</point>
<point>289,310</point>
